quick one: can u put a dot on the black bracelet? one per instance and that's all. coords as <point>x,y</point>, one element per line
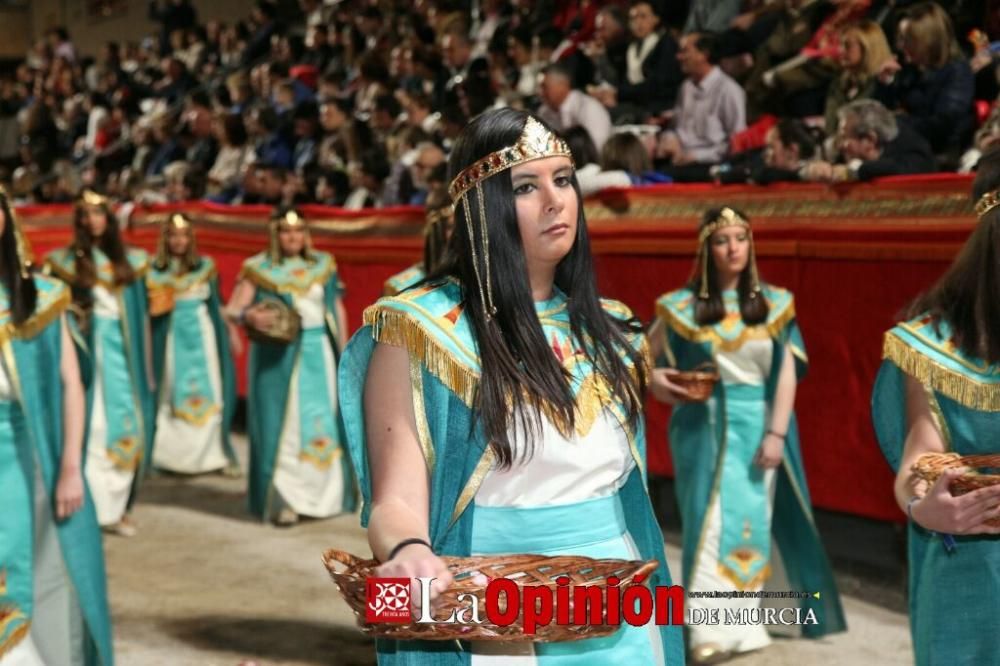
<point>777,434</point>
<point>403,544</point>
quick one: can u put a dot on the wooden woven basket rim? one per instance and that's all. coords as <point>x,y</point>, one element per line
<point>930,466</point>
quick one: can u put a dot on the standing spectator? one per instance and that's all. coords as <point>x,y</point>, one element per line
<point>934,88</point>
<point>172,15</point>
<point>563,107</point>
<point>711,107</point>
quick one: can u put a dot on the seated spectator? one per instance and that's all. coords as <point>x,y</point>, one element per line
<point>367,178</point>
<point>873,145</point>
<point>625,152</point>
<point>711,108</point>
<point>527,66</point>
<point>589,174</point>
<point>306,130</point>
<point>234,155</point>
<point>790,145</point>
<point>270,145</point>
<point>934,88</point>
<point>863,52</point>
<point>563,107</point>
<point>332,188</point>
<point>608,50</point>
<point>648,85</point>
<point>429,157</point>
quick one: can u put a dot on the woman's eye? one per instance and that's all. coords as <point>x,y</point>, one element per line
<point>741,237</point>
<point>524,189</point>
<point>563,181</point>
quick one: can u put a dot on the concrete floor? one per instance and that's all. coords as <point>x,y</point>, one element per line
<point>205,584</point>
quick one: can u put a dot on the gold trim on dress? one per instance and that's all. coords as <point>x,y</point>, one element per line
<point>423,428</point>
<point>253,275</point>
<point>770,329</point>
<point>483,467</point>
<point>952,383</point>
<point>18,634</point>
<point>37,322</point>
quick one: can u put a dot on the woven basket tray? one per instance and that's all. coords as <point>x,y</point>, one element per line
<point>349,573</point>
<point>699,383</point>
<point>931,465</point>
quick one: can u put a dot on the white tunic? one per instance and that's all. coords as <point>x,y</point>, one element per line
<point>304,487</point>
<point>110,485</point>
<point>182,446</point>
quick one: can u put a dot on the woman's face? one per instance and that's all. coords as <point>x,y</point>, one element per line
<point>852,53</point>
<point>95,221</point>
<point>730,251</point>
<point>547,206</point>
<point>292,240</point>
<point>178,241</point>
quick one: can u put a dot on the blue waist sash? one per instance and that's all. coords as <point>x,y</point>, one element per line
<point>546,529</point>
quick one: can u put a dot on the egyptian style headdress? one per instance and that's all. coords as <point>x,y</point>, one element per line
<point>987,202</point>
<point>175,221</point>
<point>289,219</point>
<point>727,218</point>
<point>25,257</point>
<point>535,143</point>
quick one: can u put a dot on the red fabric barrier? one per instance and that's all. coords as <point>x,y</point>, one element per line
<point>853,256</point>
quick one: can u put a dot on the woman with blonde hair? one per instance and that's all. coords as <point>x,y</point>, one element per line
<point>933,89</point>
<point>863,51</point>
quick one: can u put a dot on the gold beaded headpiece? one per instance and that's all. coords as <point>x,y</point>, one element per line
<point>535,142</point>
<point>89,197</point>
<point>987,202</point>
<point>290,220</point>
<point>25,257</point>
<point>727,218</point>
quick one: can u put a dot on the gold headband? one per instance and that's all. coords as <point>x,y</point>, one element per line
<point>290,219</point>
<point>92,198</point>
<point>727,218</point>
<point>987,202</point>
<point>535,143</point>
<point>178,221</point>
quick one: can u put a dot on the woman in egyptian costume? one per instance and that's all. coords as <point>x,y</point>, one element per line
<point>543,455</point>
<point>297,462</point>
<point>53,600</point>
<point>938,392</point>
<point>196,387</point>
<point>107,279</point>
<point>437,228</point>
<point>746,515</point>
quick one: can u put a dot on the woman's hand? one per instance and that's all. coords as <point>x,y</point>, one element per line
<point>887,72</point>
<point>417,561</point>
<point>69,493</point>
<point>665,390</point>
<point>770,453</point>
<point>939,511</point>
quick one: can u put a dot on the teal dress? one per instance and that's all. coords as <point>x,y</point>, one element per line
<point>31,441</point>
<point>295,428</point>
<point>428,321</point>
<point>195,408</point>
<point>404,279</point>
<point>113,355</point>
<point>953,594</point>
<point>713,444</point>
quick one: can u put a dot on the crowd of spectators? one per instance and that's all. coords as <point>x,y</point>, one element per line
<point>356,103</point>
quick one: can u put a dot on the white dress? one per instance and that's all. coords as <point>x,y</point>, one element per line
<point>560,471</point>
<point>182,446</point>
<point>307,489</point>
<point>110,484</point>
<point>751,364</point>
<point>57,629</point>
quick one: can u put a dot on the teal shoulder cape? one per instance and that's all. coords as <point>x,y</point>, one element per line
<point>133,305</point>
<point>32,353</point>
<point>271,366</point>
<point>178,283</point>
<point>697,448</point>
<point>428,322</point>
<point>946,588</point>
<point>404,279</point>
